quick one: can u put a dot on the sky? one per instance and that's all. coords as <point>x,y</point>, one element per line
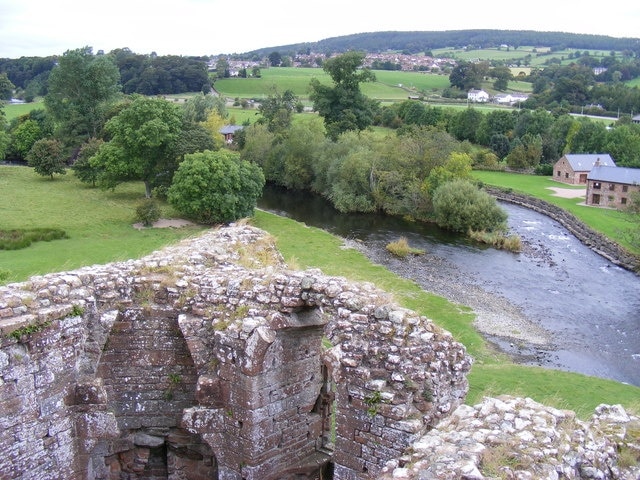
<point>209,27</point>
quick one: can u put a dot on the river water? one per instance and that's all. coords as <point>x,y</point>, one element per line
<point>587,308</point>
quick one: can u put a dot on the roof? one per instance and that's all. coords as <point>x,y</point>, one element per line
<point>230,129</point>
<point>584,162</point>
<point>629,176</point>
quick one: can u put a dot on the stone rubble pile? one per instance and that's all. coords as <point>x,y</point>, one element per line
<point>518,438</point>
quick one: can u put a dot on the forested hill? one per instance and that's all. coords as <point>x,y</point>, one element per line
<point>415,42</point>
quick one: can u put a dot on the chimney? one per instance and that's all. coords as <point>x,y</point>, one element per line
<point>597,163</point>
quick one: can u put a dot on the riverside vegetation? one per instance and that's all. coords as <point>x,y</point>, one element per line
<point>38,201</point>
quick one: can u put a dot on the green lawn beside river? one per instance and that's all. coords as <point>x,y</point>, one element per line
<point>100,229</point>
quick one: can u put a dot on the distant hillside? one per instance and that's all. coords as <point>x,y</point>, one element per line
<point>415,42</point>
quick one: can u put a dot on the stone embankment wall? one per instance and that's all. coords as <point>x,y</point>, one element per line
<point>594,240</point>
<point>210,359</point>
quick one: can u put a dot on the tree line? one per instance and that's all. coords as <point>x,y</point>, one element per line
<point>146,74</point>
<point>424,41</point>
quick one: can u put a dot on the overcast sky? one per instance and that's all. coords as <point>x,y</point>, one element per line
<point>207,27</point>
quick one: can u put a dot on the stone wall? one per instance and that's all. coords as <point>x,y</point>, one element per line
<point>210,359</point>
<point>592,239</point>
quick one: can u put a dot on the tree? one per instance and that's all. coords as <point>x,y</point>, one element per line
<point>80,89</point>
<point>216,187</point>
<point>460,206</point>
<point>343,106</point>
<point>277,110</point>
<point>275,59</point>
<point>142,142</point>
<point>5,139</point>
<point>467,75</point>
<point>502,76</point>
<point>6,87</point>
<point>198,108</point>
<point>47,157</point>
<point>82,168</point>
<point>24,136</point>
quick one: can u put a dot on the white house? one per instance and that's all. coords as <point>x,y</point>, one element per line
<point>510,98</point>
<point>477,96</point>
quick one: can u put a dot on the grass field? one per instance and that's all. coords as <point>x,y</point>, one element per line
<point>99,224</point>
<point>612,223</point>
<point>538,56</point>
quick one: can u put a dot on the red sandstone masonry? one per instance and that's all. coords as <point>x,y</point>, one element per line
<point>186,361</point>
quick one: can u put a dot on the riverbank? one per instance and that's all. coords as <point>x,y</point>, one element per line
<point>596,241</point>
<point>500,322</point>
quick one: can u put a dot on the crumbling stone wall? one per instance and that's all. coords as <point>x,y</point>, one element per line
<point>210,359</point>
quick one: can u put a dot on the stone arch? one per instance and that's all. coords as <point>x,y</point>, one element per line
<point>145,378</point>
<point>263,407</point>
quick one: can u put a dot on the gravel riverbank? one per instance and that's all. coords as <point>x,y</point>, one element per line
<point>501,323</point>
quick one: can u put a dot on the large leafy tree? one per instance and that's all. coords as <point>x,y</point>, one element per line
<point>277,110</point>
<point>216,187</point>
<point>143,137</point>
<point>467,75</point>
<point>80,89</point>
<point>343,106</point>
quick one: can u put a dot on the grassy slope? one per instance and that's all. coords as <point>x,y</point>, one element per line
<point>492,374</point>
<point>98,223</point>
<point>612,223</point>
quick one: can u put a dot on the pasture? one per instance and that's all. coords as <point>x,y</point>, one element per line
<point>98,223</point>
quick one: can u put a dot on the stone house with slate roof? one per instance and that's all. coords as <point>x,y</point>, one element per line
<point>573,168</point>
<point>229,131</point>
<point>612,186</point>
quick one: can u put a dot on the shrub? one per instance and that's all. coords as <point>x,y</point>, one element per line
<point>498,239</point>
<point>216,187</point>
<point>148,212</point>
<point>460,206</point>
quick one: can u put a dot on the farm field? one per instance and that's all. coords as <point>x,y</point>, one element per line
<point>537,56</point>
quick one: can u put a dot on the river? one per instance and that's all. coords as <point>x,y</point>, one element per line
<point>557,304</point>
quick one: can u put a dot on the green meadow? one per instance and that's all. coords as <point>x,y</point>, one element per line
<point>99,226</point>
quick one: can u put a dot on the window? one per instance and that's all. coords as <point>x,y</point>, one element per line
<point>595,199</point>
<point>566,174</point>
<point>597,185</point>
<point>558,174</point>
<point>612,187</point>
<point>625,188</point>
<point>623,200</point>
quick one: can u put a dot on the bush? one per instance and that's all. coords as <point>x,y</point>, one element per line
<point>460,206</point>
<point>216,187</point>
<point>148,212</point>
